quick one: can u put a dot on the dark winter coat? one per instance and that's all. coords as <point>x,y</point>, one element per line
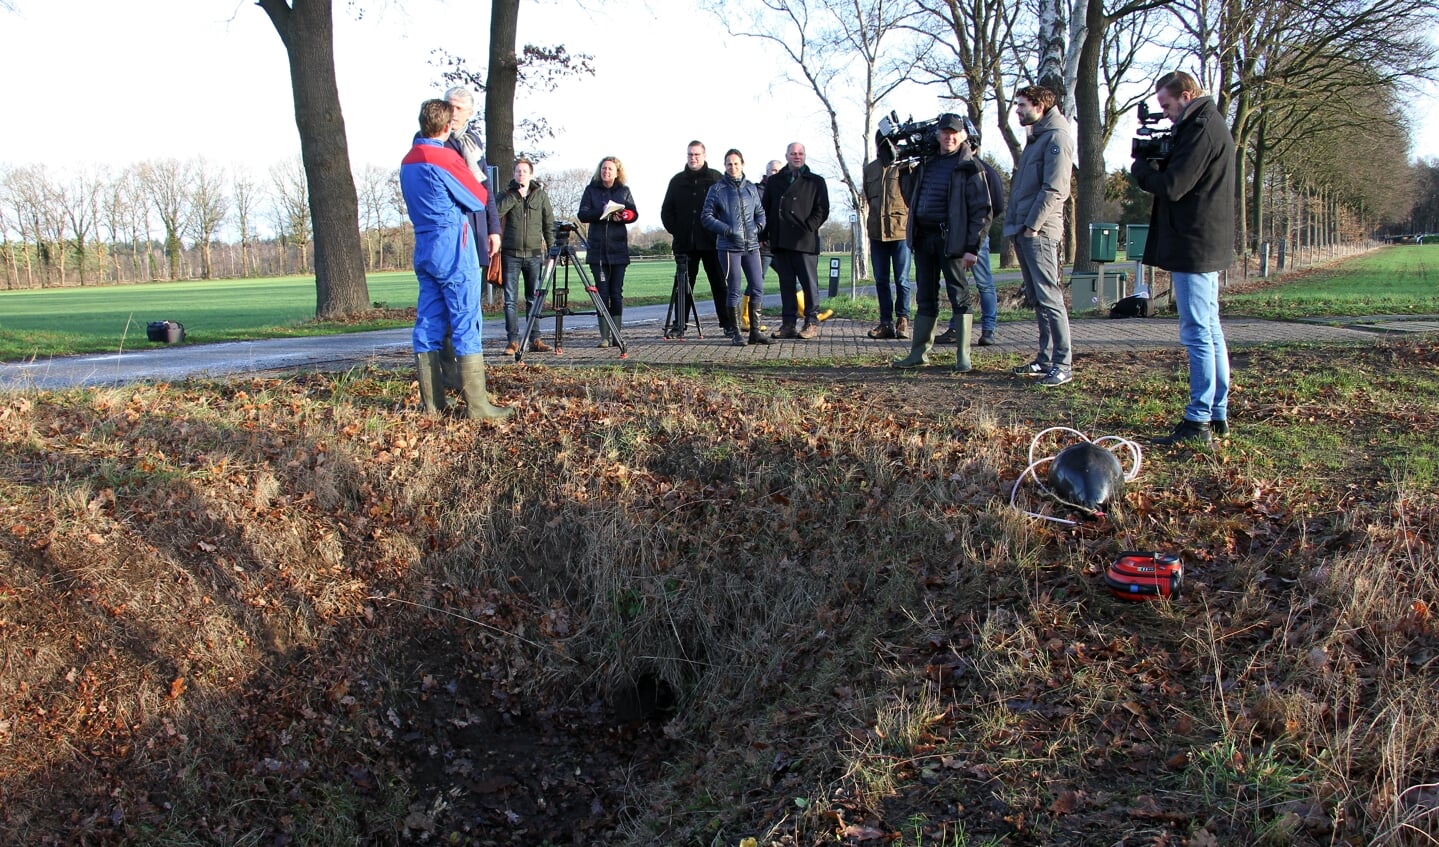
<point>734,213</point>
<point>529,221</point>
<point>1191,226</point>
<point>485,222</point>
<point>680,212</point>
<point>796,205</point>
<point>609,241</point>
<point>967,202</point>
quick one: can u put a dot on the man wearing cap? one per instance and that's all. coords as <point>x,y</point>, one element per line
<point>1034,223</point>
<point>949,205</point>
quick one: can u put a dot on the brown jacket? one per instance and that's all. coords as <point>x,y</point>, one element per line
<point>888,215</point>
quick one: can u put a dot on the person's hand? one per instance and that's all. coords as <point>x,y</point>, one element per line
<point>970,260</point>
<point>1029,232</point>
<point>494,244</point>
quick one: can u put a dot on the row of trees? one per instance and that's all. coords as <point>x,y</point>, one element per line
<point>1306,86</point>
<point>173,219</point>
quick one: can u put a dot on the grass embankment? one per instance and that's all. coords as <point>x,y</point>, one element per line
<point>294,611</point>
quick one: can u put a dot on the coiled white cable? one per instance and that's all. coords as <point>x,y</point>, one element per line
<point>1034,464</point>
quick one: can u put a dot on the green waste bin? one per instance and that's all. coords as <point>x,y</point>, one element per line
<point>1103,242</point>
<point>1136,236</point>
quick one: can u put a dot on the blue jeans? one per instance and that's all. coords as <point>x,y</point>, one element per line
<point>1039,263</point>
<point>887,257</point>
<point>984,284</point>
<point>515,266</point>
<point>1196,296</point>
<point>610,280</point>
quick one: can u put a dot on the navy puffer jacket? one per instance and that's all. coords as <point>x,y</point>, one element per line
<point>609,241</point>
<point>733,212</point>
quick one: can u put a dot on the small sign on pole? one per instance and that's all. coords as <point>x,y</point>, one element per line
<point>834,276</point>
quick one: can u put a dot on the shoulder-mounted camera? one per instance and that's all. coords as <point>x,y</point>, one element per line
<point>1149,143</point>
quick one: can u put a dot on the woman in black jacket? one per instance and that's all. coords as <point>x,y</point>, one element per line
<point>733,212</point>
<point>607,206</point>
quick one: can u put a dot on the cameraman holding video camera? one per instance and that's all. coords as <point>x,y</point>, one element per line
<point>1191,235</point>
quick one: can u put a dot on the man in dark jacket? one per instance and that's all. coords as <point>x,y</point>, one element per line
<point>948,199</point>
<point>680,215</point>
<point>529,220</point>
<point>983,275</point>
<point>796,205</point>
<point>1191,235</point>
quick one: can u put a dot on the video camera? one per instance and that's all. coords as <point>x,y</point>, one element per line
<point>905,142</point>
<point>563,230</point>
<point>1152,144</point>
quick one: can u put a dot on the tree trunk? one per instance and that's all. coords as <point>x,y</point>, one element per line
<point>1089,185</point>
<point>500,88</point>
<point>307,30</point>
<point>1257,205</point>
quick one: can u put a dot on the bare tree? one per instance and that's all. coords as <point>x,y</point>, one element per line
<point>832,45</point>
<point>80,202</point>
<point>565,188</point>
<point>374,187</point>
<point>306,28</point>
<point>169,184</point>
<point>292,206</point>
<point>245,193</point>
<point>209,206</point>
<point>1255,55</point>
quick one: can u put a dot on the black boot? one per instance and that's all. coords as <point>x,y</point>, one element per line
<point>1188,432</point>
<point>756,332</point>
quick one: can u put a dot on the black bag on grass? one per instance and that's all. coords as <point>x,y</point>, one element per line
<point>165,332</point>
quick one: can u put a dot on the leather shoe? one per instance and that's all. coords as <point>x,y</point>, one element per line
<point>884,330</point>
<point>512,348</point>
<point>986,339</point>
<point>949,336</point>
<point>538,346</point>
<point>901,328</point>
<point>810,330</point>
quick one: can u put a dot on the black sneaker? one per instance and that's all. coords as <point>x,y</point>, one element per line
<point>1220,428</point>
<point>986,339</point>
<point>949,336</point>
<point>1188,432</point>
<point>1031,369</point>
<point>1056,376</point>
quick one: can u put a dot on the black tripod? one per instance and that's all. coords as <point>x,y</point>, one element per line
<point>677,317</point>
<point>563,255</point>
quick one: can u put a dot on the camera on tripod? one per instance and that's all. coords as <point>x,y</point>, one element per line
<point>1152,144</point>
<point>910,141</point>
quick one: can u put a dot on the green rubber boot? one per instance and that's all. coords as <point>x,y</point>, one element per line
<point>432,382</point>
<point>448,366</point>
<point>961,360</point>
<point>920,343</point>
<point>477,399</point>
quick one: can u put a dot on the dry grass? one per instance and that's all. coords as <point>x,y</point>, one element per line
<point>225,611</point>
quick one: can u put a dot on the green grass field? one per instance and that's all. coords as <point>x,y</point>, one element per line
<point>1398,280</point>
<point>62,321</point>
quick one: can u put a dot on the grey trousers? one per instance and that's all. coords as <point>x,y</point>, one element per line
<point>1039,263</point>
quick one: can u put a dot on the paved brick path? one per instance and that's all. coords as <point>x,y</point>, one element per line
<point>839,340</point>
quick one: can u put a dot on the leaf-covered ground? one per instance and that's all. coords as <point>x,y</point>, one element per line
<point>707,607</point>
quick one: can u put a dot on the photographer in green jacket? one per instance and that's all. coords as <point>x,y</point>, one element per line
<point>528,220</point>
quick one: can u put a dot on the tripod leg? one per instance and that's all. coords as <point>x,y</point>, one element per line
<point>602,312</point>
<point>537,305</point>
